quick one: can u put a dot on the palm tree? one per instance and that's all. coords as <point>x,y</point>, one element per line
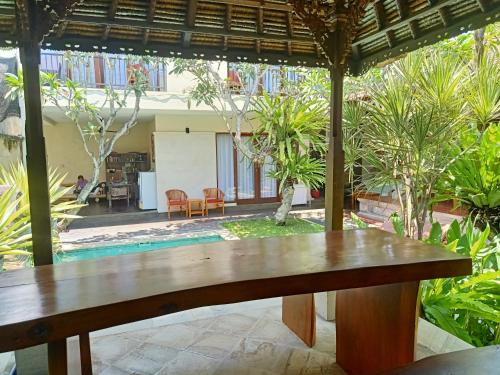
<point>289,128</point>
<point>416,113</point>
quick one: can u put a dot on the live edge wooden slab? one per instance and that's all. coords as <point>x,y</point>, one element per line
<point>51,303</point>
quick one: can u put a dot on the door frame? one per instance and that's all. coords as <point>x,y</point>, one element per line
<point>257,180</point>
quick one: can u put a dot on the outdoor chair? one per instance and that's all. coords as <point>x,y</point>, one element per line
<point>176,198</point>
<point>214,197</point>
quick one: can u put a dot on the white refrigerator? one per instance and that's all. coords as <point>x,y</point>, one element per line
<point>147,190</point>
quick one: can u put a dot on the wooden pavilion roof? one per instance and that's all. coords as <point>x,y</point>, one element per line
<point>250,30</point>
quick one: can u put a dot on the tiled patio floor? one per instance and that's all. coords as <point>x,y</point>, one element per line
<point>246,338</point>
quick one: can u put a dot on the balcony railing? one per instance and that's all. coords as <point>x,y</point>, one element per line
<point>93,72</point>
<point>271,82</point>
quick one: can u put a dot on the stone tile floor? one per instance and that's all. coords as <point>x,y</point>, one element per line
<point>246,338</point>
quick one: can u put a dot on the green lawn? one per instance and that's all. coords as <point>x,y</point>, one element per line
<point>259,228</point>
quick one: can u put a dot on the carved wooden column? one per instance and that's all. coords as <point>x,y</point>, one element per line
<point>333,25</point>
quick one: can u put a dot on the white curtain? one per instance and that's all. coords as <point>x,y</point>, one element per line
<point>268,185</point>
<point>246,174</point>
<point>225,167</point>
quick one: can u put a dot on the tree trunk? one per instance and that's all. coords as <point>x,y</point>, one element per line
<point>479,44</point>
<point>87,189</point>
<point>286,204</point>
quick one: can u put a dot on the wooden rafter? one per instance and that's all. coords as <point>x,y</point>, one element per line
<point>415,16</point>
<point>151,11</point>
<point>145,37</point>
<point>254,4</point>
<point>105,34</point>
<point>164,26</point>
<point>414,29</point>
<point>229,17</point>
<point>150,18</point>
<point>378,8</point>
<point>389,35</point>
<point>445,16</point>
<point>190,21</point>
<point>403,9</point>
<point>260,20</point>
<point>289,24</point>
<point>112,9</point>
<point>483,5</point>
<point>458,27</point>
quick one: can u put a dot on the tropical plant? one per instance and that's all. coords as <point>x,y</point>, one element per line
<point>15,214</point>
<point>467,306</point>
<point>15,230</point>
<point>289,128</point>
<point>96,123</point>
<point>474,179</point>
<point>354,114</point>
<point>414,113</point>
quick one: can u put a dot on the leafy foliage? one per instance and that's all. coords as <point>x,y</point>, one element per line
<point>15,235</point>
<point>289,128</point>
<point>467,306</point>
<point>474,179</point>
<point>15,217</point>
<point>414,113</point>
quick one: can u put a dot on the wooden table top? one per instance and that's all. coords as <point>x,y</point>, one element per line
<point>47,303</point>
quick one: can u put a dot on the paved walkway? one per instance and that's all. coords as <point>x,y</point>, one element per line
<point>245,338</point>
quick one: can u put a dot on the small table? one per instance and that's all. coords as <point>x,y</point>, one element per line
<point>196,206</point>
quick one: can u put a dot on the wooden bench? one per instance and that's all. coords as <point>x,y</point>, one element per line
<point>476,361</point>
<point>375,323</point>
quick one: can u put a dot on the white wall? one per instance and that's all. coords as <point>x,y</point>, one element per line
<point>184,161</point>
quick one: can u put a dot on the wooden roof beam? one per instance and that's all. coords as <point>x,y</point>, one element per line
<point>389,35</point>
<point>445,16</point>
<point>164,26</point>
<point>289,24</point>
<point>403,9</point>
<point>112,9</point>
<point>229,17</point>
<point>190,21</point>
<point>145,37</point>
<point>414,29</point>
<point>254,4</point>
<point>459,25</point>
<point>378,8</point>
<point>431,9</point>
<point>260,21</point>
<point>105,35</point>
<point>151,11</point>
<point>483,5</point>
<point>150,18</point>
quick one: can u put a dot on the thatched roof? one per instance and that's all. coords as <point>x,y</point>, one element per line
<point>251,30</point>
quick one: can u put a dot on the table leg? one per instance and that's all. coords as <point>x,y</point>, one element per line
<point>85,355</point>
<point>299,314</point>
<point>376,327</point>
<point>58,357</point>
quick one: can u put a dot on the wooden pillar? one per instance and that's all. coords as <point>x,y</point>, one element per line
<point>334,202</point>
<point>36,161</point>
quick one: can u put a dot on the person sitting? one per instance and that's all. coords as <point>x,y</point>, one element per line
<point>80,184</point>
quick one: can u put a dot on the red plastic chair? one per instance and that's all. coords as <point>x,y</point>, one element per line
<point>214,197</point>
<point>176,198</point>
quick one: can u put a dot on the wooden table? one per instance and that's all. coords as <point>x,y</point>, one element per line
<point>375,322</point>
<point>196,206</point>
